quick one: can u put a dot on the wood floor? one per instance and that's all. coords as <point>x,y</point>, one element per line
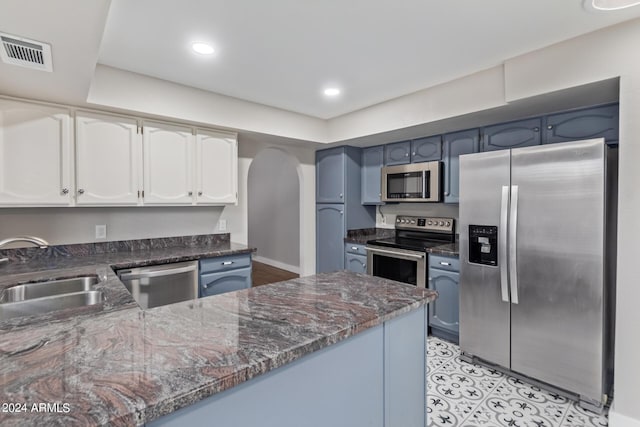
<point>263,274</point>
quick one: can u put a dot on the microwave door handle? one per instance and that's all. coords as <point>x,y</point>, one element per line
<point>424,184</point>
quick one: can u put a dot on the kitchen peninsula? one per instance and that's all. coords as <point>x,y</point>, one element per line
<point>332,349</point>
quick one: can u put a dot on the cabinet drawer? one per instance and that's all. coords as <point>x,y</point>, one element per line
<point>226,281</point>
<point>444,263</point>
<point>355,248</point>
<point>224,263</point>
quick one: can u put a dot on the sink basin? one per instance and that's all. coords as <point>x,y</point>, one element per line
<point>45,289</point>
<point>47,304</point>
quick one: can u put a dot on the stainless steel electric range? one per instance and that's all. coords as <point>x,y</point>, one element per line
<point>404,257</point>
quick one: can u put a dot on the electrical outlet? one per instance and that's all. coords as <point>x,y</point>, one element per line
<point>222,225</point>
<point>101,231</point>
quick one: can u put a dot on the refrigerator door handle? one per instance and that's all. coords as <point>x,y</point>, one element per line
<point>513,226</point>
<point>502,244</point>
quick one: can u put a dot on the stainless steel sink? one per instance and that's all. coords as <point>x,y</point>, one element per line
<point>30,291</point>
<point>47,304</point>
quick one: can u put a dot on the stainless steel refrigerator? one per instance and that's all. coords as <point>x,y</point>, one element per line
<point>537,251</point>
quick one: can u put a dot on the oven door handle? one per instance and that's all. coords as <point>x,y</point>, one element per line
<point>403,254</point>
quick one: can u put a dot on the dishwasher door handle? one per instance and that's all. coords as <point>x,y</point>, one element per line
<point>157,273</point>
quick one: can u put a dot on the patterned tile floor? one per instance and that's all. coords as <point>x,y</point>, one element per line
<point>462,394</point>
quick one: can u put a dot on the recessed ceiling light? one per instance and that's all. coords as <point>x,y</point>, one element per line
<point>604,5</point>
<point>332,91</point>
<point>202,48</point>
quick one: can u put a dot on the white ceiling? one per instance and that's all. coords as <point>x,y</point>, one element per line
<point>282,53</point>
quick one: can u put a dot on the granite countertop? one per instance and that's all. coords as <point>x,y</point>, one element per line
<point>447,249</point>
<point>362,235</point>
<point>131,366</point>
<point>101,259</point>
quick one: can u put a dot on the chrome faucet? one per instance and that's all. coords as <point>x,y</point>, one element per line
<point>41,243</point>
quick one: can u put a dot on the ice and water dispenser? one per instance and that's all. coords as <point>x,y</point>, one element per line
<point>483,244</point>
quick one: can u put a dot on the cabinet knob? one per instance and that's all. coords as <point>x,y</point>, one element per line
<point>379,194</point>
<point>550,127</point>
<point>413,154</point>
<point>354,248</point>
<point>65,191</point>
<point>536,129</point>
<point>199,193</point>
<point>341,195</point>
<point>204,285</point>
<point>364,265</point>
<point>81,191</point>
<point>341,212</point>
<point>190,193</point>
<point>406,154</point>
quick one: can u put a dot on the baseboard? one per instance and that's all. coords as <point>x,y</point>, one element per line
<point>619,420</point>
<point>277,264</point>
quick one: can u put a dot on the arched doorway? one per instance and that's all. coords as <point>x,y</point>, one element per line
<point>274,209</point>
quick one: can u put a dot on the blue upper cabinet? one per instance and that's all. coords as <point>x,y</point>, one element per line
<point>426,149</point>
<point>372,161</point>
<point>597,122</point>
<point>523,133</point>
<point>330,175</point>
<point>398,153</point>
<point>456,144</point>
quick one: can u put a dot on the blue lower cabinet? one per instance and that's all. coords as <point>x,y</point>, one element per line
<point>444,278</point>
<point>225,274</point>
<point>227,281</point>
<point>355,263</point>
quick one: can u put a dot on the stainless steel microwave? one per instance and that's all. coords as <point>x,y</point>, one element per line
<point>416,182</point>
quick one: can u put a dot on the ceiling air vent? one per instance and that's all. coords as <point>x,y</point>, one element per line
<point>25,53</point>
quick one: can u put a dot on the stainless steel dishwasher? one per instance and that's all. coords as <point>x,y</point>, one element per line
<point>157,285</point>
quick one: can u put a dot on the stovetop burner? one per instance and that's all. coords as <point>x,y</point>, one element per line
<point>419,233</point>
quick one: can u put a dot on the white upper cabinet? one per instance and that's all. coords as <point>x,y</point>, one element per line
<point>36,155</point>
<point>216,168</point>
<point>168,164</point>
<point>108,160</point>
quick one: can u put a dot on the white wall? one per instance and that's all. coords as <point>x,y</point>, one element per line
<point>124,90</point>
<point>274,209</point>
<point>77,225</point>
<point>249,146</point>
<point>476,92</point>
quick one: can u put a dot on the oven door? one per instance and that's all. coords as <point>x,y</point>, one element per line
<point>397,264</point>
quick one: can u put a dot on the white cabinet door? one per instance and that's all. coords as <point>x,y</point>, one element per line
<point>36,157</point>
<point>217,168</point>
<point>168,164</point>
<point>108,160</point>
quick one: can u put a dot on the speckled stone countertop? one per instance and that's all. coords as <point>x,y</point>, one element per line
<point>447,249</point>
<point>101,259</point>
<point>129,366</point>
<point>362,235</point>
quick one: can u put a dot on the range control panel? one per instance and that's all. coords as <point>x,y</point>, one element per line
<point>443,225</point>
